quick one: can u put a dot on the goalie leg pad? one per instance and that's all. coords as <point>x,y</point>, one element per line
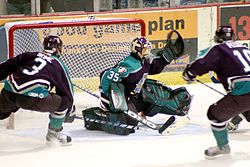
<point>165,100</point>
<point>182,99</point>
<point>154,109</point>
<point>114,123</point>
<point>93,118</point>
<point>117,98</point>
<point>120,124</point>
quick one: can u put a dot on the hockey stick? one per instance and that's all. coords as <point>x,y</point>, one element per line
<point>197,80</point>
<point>135,115</point>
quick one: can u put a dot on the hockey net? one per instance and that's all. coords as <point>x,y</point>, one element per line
<point>89,46</point>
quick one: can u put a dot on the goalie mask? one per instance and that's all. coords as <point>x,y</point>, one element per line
<point>141,46</point>
<point>53,43</point>
<point>224,33</point>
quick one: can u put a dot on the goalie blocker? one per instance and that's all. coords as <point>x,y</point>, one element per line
<point>154,98</point>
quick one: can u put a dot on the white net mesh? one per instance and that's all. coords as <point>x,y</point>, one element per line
<point>88,48</point>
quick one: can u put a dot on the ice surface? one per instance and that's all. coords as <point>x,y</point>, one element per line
<point>25,146</point>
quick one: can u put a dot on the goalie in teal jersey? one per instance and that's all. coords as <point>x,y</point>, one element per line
<point>126,87</point>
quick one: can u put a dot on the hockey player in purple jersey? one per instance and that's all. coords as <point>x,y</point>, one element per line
<point>231,63</point>
<point>30,77</point>
<point>233,124</point>
<point>127,87</point>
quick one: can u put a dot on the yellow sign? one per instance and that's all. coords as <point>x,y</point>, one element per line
<point>159,23</point>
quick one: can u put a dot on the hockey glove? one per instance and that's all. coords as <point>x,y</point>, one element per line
<point>70,115</point>
<point>174,47</point>
<point>187,75</point>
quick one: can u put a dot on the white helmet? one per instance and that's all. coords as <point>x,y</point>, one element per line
<point>141,46</point>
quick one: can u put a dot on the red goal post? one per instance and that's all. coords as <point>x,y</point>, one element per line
<point>89,46</point>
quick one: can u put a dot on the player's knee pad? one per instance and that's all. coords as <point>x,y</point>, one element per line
<point>114,123</point>
<point>4,115</point>
<point>213,117</point>
<point>210,116</point>
<point>165,100</point>
<point>246,115</point>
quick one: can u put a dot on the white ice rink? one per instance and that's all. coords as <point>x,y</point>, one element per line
<point>25,146</point>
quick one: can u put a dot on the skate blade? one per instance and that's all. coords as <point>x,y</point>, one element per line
<point>55,143</point>
<point>217,156</point>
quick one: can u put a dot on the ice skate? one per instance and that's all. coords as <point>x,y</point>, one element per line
<point>231,127</point>
<point>233,124</point>
<point>213,152</point>
<point>54,137</point>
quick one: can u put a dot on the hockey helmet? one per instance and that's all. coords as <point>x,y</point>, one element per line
<point>141,46</point>
<point>223,33</point>
<point>53,43</point>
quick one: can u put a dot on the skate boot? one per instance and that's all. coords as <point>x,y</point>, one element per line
<point>233,125</point>
<point>213,152</point>
<point>54,137</point>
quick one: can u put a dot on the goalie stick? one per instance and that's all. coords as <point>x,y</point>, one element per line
<point>177,124</point>
<point>160,128</point>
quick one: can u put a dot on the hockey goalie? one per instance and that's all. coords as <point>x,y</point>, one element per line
<point>127,88</point>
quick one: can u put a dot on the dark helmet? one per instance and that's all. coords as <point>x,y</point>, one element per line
<point>223,33</point>
<point>53,43</point>
<point>141,46</point>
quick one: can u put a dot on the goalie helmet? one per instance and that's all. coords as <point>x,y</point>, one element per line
<point>141,46</point>
<point>53,43</point>
<point>223,33</point>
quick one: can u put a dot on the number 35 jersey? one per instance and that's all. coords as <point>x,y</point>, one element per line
<point>132,71</point>
<point>35,74</point>
<point>231,63</point>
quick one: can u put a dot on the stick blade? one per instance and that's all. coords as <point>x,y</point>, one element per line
<point>168,123</point>
<point>177,125</point>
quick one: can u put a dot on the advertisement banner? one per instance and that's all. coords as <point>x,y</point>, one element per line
<point>160,22</point>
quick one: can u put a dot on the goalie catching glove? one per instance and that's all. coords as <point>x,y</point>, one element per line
<point>174,47</point>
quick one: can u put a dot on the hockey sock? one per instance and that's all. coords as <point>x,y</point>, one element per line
<point>221,136</point>
<point>56,120</point>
